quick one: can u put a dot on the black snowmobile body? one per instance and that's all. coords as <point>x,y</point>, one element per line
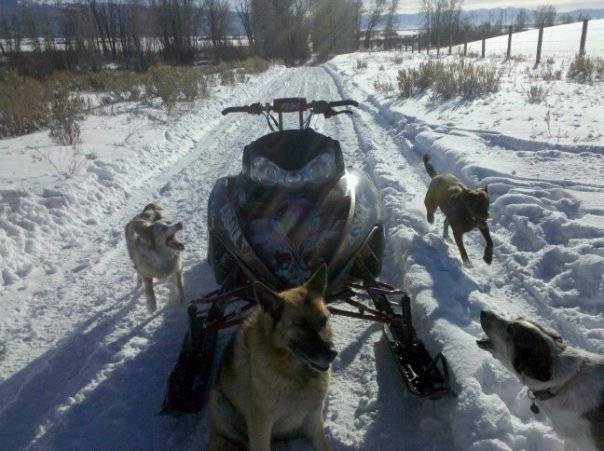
<point>292,208</point>
<point>281,235</point>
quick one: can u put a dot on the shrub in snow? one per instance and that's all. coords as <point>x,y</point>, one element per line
<point>582,69</point>
<point>163,84</point>
<point>361,64</point>
<point>255,65</point>
<point>23,105</point>
<point>383,87</point>
<point>405,83</point>
<point>449,80</point>
<point>226,74</point>
<point>65,112</point>
<point>536,94</point>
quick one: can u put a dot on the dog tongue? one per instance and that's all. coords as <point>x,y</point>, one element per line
<point>174,243</point>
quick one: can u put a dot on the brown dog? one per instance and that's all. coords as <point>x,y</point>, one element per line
<point>464,209</point>
<point>276,371</point>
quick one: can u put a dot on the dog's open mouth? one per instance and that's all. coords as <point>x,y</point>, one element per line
<point>172,242</point>
<point>317,367</point>
<point>485,343</point>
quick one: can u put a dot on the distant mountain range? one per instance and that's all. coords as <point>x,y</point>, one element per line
<point>478,16</point>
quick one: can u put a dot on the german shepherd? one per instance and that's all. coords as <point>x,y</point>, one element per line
<point>155,251</point>
<point>276,371</point>
<point>566,383</point>
<point>464,209</point>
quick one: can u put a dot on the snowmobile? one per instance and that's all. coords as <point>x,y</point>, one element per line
<point>292,208</point>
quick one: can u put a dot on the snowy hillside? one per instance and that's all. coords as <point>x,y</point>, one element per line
<point>558,41</point>
<point>83,365</point>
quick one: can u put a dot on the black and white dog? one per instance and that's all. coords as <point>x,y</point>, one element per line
<point>566,383</point>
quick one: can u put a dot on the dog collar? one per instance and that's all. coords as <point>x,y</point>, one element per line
<point>549,393</point>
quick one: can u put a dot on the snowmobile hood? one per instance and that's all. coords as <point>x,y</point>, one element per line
<point>293,149</point>
<point>284,242</point>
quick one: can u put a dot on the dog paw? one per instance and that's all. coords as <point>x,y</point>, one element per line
<point>488,257</point>
<point>467,263</point>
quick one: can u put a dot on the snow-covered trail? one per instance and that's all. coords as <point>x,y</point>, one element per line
<point>101,384</point>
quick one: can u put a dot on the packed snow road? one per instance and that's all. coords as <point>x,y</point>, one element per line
<point>89,364</point>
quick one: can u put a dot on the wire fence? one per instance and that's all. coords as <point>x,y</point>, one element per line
<point>536,41</point>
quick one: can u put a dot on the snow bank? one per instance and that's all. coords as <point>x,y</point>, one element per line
<point>547,225</point>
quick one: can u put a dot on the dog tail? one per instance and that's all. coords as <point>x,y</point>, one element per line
<point>429,168</point>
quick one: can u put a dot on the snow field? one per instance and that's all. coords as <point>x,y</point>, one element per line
<point>547,226</point>
<point>558,41</point>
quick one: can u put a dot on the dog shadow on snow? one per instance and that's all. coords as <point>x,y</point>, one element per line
<point>83,396</point>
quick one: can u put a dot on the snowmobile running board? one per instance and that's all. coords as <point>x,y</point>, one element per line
<point>189,382</point>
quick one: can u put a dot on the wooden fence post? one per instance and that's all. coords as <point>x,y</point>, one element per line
<point>539,44</point>
<point>583,37</point>
<point>484,46</point>
<point>509,43</point>
<point>450,42</point>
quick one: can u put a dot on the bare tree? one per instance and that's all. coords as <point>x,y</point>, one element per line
<point>335,26</point>
<point>176,24</point>
<point>442,20</point>
<point>217,23</point>
<point>281,29</point>
<point>390,35</point>
<point>521,20</point>
<point>545,16</point>
<point>375,18</point>
<point>244,12</point>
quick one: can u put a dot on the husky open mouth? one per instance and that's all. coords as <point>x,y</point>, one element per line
<point>171,240</point>
<point>485,343</point>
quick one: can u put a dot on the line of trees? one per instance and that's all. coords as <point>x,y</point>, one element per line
<point>87,34</point>
<point>444,23</point>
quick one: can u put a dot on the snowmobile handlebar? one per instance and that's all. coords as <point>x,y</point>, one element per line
<point>292,105</point>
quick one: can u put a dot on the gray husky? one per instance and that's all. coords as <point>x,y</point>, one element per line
<point>155,251</point>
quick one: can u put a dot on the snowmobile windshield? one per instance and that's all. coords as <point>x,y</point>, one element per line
<point>293,159</point>
<point>320,170</point>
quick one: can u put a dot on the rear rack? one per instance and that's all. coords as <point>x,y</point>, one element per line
<point>189,382</point>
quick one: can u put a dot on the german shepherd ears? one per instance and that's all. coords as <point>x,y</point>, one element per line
<point>270,301</point>
<point>317,284</point>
